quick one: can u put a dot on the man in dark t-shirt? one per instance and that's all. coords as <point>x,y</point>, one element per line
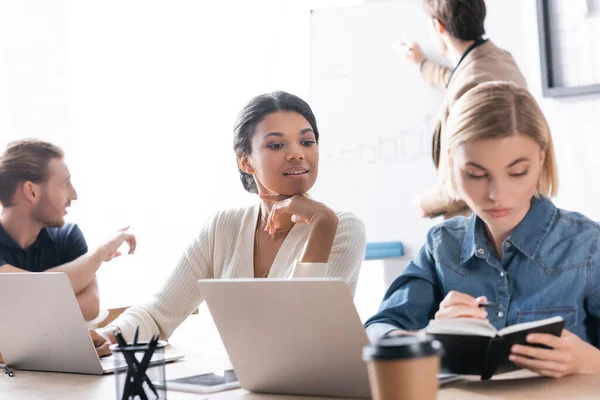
<point>52,247</point>
<point>35,191</point>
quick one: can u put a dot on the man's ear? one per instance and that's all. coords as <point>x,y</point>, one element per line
<point>31,191</point>
<point>244,165</point>
<point>438,26</point>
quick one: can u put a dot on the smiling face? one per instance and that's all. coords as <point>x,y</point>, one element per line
<point>497,177</point>
<point>285,156</point>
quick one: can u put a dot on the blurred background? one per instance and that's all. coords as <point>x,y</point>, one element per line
<point>143,95</point>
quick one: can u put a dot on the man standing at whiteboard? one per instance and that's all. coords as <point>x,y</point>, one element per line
<point>458,30</point>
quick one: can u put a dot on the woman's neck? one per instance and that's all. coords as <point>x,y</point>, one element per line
<point>497,236</point>
<point>498,233</point>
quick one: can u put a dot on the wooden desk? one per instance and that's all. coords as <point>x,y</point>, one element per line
<point>198,339</point>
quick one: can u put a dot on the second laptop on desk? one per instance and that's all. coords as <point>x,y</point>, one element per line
<point>43,329</point>
<point>298,336</point>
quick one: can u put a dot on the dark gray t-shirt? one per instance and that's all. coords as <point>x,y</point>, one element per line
<point>53,247</point>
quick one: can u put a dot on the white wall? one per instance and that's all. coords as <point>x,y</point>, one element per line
<point>142,95</point>
<point>33,73</point>
<point>575,122</point>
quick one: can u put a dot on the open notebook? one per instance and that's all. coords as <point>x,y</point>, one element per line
<point>475,347</point>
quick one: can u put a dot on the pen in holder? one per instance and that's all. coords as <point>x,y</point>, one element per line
<point>140,368</point>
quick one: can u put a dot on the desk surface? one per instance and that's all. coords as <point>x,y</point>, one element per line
<point>198,339</point>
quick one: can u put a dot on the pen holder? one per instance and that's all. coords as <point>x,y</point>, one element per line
<point>140,370</point>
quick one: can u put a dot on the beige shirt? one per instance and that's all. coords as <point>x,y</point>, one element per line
<point>224,248</point>
<point>484,63</point>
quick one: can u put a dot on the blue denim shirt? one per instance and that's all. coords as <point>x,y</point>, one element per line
<point>550,266</point>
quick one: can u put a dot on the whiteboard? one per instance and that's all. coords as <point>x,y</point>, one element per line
<point>375,115</point>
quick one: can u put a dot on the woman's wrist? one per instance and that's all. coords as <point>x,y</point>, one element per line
<point>108,333</point>
<point>323,228</point>
<point>326,218</point>
<point>594,368</point>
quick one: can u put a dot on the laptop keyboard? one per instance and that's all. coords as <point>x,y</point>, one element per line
<point>109,363</point>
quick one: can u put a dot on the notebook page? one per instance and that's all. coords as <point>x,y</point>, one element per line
<point>528,325</point>
<point>461,326</point>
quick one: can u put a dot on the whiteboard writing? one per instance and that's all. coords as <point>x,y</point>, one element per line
<point>406,145</point>
<point>375,116</point>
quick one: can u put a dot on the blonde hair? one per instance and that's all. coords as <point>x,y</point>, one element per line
<point>497,110</point>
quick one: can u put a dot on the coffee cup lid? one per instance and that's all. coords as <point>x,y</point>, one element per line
<point>403,347</point>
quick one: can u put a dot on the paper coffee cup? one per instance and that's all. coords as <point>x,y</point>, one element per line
<point>404,368</point>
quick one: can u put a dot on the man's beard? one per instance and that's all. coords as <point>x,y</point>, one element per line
<point>43,214</point>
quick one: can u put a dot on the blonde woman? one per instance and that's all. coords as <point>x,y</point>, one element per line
<point>517,250</point>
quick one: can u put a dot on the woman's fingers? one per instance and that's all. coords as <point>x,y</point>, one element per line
<point>538,353</point>
<point>104,350</point>
<point>281,203</point>
<point>457,304</point>
<point>300,209</point>
<point>552,341</point>
<point>100,343</point>
<point>457,298</point>
<point>280,208</point>
<point>461,311</point>
<point>273,197</point>
<point>298,220</point>
<point>538,365</point>
<point>273,222</point>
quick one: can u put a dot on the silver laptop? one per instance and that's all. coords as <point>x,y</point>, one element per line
<point>300,336</point>
<point>42,327</point>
